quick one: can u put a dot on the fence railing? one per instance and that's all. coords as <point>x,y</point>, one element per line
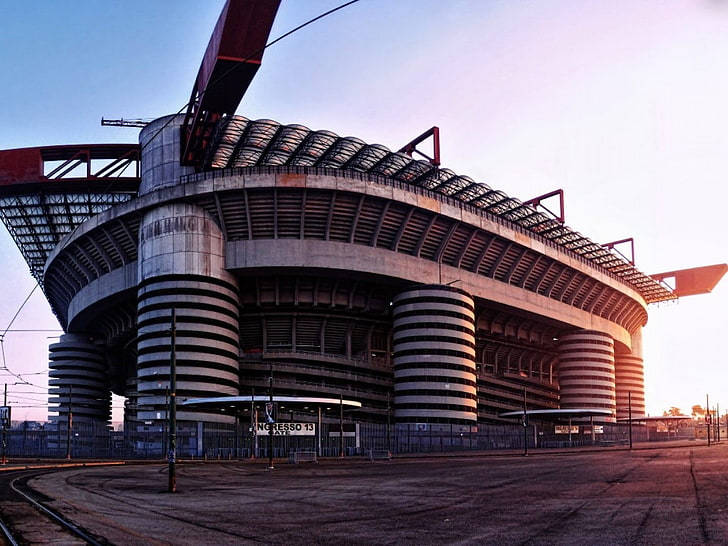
<point>215,441</point>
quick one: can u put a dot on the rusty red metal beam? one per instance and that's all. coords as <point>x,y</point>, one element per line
<point>229,64</point>
<point>536,201</point>
<point>613,244</point>
<point>693,281</point>
<point>411,147</point>
<point>25,167</point>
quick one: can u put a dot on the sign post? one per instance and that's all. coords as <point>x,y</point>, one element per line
<point>269,416</point>
<point>5,423</point>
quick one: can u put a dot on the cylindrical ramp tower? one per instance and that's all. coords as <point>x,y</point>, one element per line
<point>434,356</point>
<point>160,141</point>
<point>181,267</point>
<point>586,371</point>
<point>78,379</point>
<point>630,378</point>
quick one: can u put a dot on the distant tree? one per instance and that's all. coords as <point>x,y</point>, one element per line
<point>672,411</point>
<point>697,411</point>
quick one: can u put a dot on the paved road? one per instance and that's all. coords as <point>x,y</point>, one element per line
<point>651,496</point>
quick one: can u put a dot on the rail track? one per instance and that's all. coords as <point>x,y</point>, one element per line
<point>25,516</point>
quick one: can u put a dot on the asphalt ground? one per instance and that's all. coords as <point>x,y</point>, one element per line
<point>673,495</point>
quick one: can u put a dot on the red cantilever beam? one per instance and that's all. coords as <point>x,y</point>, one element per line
<point>536,201</point>
<point>693,281</point>
<point>411,146</point>
<point>230,62</point>
<point>629,240</point>
<point>27,165</point>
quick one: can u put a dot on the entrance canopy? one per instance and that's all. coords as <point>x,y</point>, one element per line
<point>560,413</point>
<point>235,404</point>
<point>646,419</point>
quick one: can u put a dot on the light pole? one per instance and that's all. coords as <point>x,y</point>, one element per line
<point>172,456</point>
<point>253,425</point>
<point>4,425</point>
<point>629,409</point>
<point>270,419</point>
<point>707,418</point>
<point>69,424</point>
<point>389,425</point>
<point>341,425</point>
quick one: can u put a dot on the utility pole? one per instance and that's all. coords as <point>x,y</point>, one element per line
<point>69,424</point>
<point>389,425</point>
<point>165,445</point>
<point>629,409</point>
<point>707,418</point>
<point>253,424</point>
<point>270,419</point>
<point>172,456</point>
<point>341,425</point>
<point>4,426</point>
<point>319,426</point>
<point>717,416</point>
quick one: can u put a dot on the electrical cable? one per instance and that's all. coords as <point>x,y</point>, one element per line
<point>5,367</point>
<point>19,310</point>
<point>230,70</point>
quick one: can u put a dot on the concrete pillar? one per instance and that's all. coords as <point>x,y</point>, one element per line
<point>586,371</point>
<point>630,377</point>
<point>78,379</point>
<point>434,356</point>
<point>181,267</point>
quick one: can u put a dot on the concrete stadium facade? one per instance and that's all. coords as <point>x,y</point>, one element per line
<point>317,257</point>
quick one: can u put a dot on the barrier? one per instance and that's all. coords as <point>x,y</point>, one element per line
<point>379,455</point>
<point>303,456</point>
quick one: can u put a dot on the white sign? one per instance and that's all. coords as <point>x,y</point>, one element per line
<point>337,434</point>
<point>287,429</point>
<point>564,429</point>
<point>598,429</point>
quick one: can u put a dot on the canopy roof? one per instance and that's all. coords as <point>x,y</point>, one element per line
<point>558,413</point>
<point>240,142</point>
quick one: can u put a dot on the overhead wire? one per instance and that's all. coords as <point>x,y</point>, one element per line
<point>2,345</point>
<point>232,69</point>
<point>210,85</point>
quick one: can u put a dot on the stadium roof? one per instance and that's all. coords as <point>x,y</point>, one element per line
<point>46,192</point>
<point>39,208</point>
<point>240,142</point>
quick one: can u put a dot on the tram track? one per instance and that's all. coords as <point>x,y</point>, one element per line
<point>25,515</point>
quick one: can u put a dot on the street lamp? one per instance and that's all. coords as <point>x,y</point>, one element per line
<point>269,417</point>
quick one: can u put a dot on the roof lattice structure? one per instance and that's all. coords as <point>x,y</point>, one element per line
<point>38,221</point>
<point>240,142</point>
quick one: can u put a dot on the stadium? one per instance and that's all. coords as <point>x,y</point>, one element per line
<point>333,271</point>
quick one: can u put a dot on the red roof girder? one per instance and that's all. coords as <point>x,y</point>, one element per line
<point>229,64</point>
<point>22,168</point>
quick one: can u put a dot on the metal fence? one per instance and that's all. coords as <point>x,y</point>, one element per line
<point>216,441</point>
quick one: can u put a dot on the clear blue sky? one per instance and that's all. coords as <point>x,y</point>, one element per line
<point>622,104</point>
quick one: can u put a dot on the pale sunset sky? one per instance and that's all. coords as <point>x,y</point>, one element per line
<point>622,104</point>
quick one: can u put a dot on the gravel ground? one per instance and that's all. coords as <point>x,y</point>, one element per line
<point>650,496</point>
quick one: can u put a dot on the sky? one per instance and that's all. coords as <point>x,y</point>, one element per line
<point>621,104</point>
